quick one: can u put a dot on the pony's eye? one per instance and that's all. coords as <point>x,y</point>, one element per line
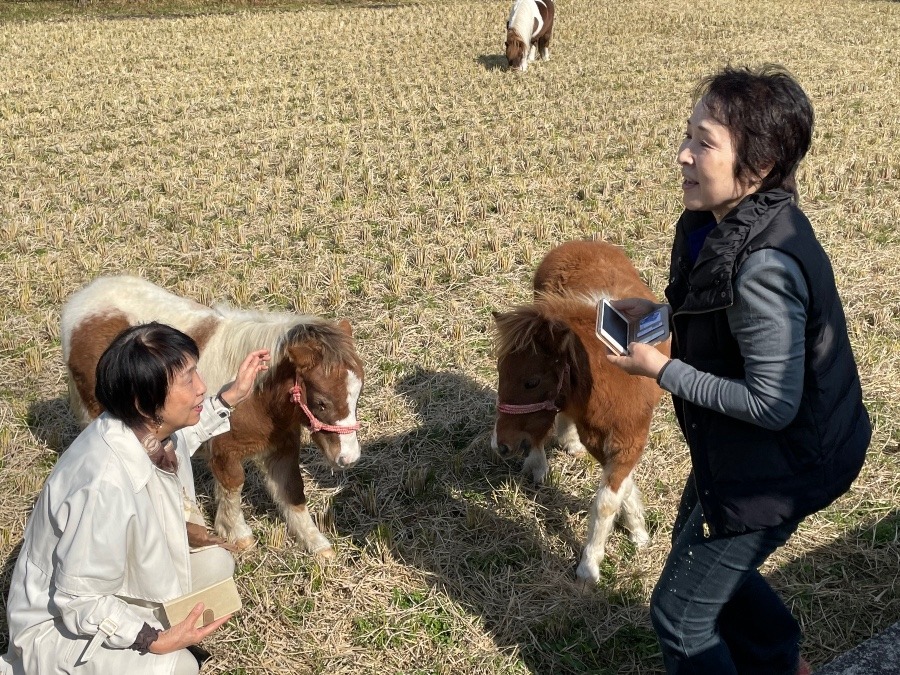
<point>532,382</point>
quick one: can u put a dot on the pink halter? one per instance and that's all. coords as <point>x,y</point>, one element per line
<point>298,393</point>
<point>525,408</point>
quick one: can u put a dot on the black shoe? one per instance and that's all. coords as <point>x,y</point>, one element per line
<point>200,654</point>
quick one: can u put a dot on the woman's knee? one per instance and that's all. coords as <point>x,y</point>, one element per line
<point>682,625</point>
<point>186,664</point>
<point>210,566</point>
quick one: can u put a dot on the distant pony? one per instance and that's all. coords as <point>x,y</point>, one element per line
<point>551,367</point>
<point>528,30</point>
<point>314,380</point>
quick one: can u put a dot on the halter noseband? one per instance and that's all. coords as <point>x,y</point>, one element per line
<point>298,393</point>
<point>525,408</point>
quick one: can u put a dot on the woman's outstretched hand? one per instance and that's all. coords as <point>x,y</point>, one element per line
<point>239,390</point>
<point>185,634</point>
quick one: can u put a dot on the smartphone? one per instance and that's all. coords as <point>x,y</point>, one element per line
<point>617,332</point>
<point>612,328</point>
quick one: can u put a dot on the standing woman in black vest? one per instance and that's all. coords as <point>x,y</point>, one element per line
<point>762,376</point>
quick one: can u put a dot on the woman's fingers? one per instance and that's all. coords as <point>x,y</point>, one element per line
<point>186,633</point>
<point>642,359</point>
<point>211,627</point>
<point>253,364</point>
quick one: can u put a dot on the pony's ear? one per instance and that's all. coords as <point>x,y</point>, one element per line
<point>305,355</point>
<point>497,316</point>
<point>345,326</point>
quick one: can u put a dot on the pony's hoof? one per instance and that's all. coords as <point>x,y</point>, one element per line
<point>575,450</point>
<point>639,539</point>
<point>325,554</point>
<point>537,470</point>
<point>245,543</point>
<point>588,573</point>
<point>539,475</point>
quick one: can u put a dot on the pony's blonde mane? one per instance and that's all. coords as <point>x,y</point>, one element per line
<point>242,331</point>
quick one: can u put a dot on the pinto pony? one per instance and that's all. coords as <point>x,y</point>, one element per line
<point>313,381</point>
<point>552,367</point>
<point>528,30</point>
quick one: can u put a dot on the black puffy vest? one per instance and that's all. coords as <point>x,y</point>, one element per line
<point>749,478</point>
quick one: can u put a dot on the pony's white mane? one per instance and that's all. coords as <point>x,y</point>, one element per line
<point>239,333</point>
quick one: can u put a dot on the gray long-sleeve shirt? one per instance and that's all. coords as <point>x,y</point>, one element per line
<point>767,319</point>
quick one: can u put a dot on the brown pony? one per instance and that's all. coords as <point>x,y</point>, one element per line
<point>529,30</point>
<point>314,381</point>
<point>552,367</point>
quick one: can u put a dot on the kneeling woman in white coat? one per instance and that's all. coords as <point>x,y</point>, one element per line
<point>106,543</point>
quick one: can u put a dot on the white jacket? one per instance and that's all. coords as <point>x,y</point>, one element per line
<point>105,545</point>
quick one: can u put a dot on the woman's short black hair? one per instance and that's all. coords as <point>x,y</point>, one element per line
<point>134,373</point>
<point>770,119</point>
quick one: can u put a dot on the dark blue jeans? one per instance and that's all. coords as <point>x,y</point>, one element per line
<point>713,612</point>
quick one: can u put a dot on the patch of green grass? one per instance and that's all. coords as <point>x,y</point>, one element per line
<point>631,641</point>
<point>567,644</point>
<point>885,532</point>
<point>299,610</point>
<point>491,560</point>
<point>409,617</point>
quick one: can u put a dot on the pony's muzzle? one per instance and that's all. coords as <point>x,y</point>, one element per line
<point>342,462</point>
<point>502,449</point>
<point>505,451</point>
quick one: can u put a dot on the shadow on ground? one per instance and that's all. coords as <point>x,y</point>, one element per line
<point>447,506</point>
<point>845,591</point>
<point>493,61</point>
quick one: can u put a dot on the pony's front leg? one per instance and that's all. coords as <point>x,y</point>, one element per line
<point>600,523</point>
<point>532,51</point>
<point>228,474</point>
<point>536,464</point>
<point>285,483</point>
<point>567,436</point>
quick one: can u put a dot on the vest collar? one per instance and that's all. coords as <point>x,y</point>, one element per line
<point>710,282</point>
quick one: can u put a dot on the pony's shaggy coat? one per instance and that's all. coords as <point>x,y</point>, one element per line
<point>548,351</point>
<point>307,350</point>
<point>529,30</point>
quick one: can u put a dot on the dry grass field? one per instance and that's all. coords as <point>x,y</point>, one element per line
<point>375,162</point>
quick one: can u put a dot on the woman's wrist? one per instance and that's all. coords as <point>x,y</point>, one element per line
<point>660,372</point>
<point>146,636</point>
<point>225,403</point>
